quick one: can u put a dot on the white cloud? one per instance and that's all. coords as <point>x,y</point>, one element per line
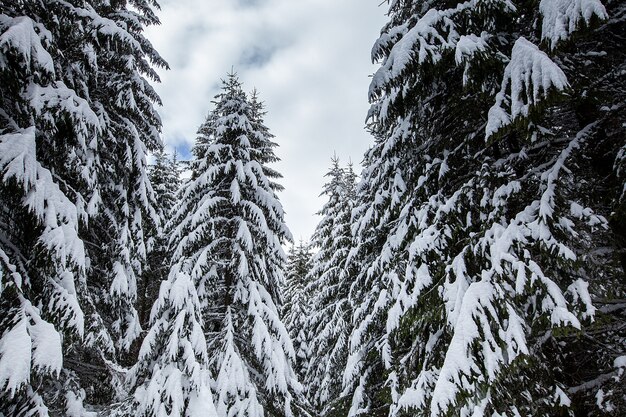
<point>310,61</point>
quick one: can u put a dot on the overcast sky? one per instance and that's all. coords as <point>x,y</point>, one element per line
<point>310,61</point>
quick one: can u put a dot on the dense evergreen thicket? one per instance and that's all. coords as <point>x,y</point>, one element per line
<point>476,268</point>
<point>487,242</point>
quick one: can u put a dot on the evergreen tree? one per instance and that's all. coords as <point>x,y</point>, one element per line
<point>297,305</point>
<point>471,237</point>
<point>262,143</point>
<point>329,323</point>
<point>77,118</point>
<point>172,376</point>
<point>228,232</point>
<point>164,176</point>
<point>165,179</point>
<point>126,198</point>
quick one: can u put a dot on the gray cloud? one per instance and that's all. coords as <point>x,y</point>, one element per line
<point>255,57</point>
<point>250,3</point>
<point>309,59</point>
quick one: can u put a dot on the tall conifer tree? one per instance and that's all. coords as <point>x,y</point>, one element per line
<point>473,214</point>
<point>165,179</point>
<point>297,304</point>
<point>329,323</point>
<point>77,118</point>
<point>228,235</point>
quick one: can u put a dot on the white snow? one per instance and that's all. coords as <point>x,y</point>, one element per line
<point>468,45</point>
<point>18,34</point>
<point>15,357</point>
<point>561,18</point>
<point>620,364</point>
<point>528,78</point>
<point>18,160</point>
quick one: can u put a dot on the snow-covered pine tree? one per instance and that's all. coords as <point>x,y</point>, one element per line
<point>262,141</point>
<point>386,168</point>
<point>62,68</point>
<point>329,323</point>
<point>165,179</point>
<point>251,350</point>
<point>476,216</point>
<point>228,232</point>
<point>171,377</point>
<point>42,259</point>
<point>124,67</point>
<point>297,305</point>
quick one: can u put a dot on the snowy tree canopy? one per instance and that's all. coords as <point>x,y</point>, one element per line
<point>475,268</point>
<point>77,120</point>
<point>470,253</point>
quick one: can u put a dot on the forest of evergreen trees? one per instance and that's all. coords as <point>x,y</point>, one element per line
<point>475,265</point>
